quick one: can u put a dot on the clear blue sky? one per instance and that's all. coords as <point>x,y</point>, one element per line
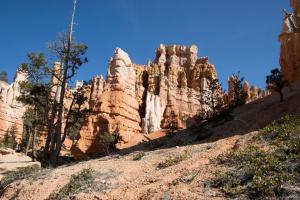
<point>235,34</point>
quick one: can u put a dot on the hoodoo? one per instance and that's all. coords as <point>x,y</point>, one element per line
<point>290,44</point>
<point>138,99</point>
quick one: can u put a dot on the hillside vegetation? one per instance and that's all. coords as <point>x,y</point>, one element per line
<point>252,154</point>
<point>268,167</point>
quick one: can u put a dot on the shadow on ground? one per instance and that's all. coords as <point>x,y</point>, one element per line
<point>242,120</point>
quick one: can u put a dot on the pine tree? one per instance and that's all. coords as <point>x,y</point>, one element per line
<point>239,95</point>
<point>3,76</point>
<point>48,109</point>
<point>35,94</point>
<point>9,139</point>
<point>276,82</point>
<point>215,100</point>
<point>72,56</point>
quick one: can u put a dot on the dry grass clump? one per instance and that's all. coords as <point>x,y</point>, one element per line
<point>173,160</point>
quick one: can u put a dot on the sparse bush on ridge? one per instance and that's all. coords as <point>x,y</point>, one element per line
<point>172,124</point>
<point>78,182</point>
<point>3,76</point>
<point>21,173</point>
<point>239,95</point>
<point>9,140</point>
<point>263,172</point>
<point>108,141</point>
<point>185,178</point>
<point>139,156</point>
<point>173,160</point>
<point>276,82</point>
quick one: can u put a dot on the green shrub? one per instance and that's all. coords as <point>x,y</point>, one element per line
<point>182,118</point>
<point>108,141</point>
<point>139,156</point>
<point>172,124</point>
<point>265,172</point>
<point>185,178</point>
<point>173,160</point>
<point>259,172</point>
<point>78,182</point>
<point>9,139</point>
<point>21,173</point>
<point>239,94</point>
<point>283,129</point>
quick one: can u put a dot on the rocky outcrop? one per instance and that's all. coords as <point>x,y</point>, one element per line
<point>11,111</point>
<point>115,106</point>
<point>251,93</point>
<point>290,44</point>
<point>133,99</point>
<point>171,117</point>
<point>139,99</point>
<point>96,89</point>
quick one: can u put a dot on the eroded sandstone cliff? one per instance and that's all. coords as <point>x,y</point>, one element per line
<point>11,111</point>
<point>290,44</point>
<point>139,99</point>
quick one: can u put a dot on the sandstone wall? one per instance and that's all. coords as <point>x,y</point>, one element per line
<point>139,99</point>
<point>290,44</point>
<point>11,111</point>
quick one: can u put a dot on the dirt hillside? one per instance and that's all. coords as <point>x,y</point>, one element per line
<point>124,176</point>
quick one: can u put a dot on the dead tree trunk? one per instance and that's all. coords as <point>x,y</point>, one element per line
<point>29,141</point>
<point>34,144</point>
<point>58,129</point>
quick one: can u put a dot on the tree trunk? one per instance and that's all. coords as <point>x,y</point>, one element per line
<point>47,145</point>
<point>58,128</point>
<point>49,134</point>
<point>28,143</point>
<point>33,144</point>
<point>67,121</point>
<point>49,124</point>
<point>281,96</point>
<point>213,106</point>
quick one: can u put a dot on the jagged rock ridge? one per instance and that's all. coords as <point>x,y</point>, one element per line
<point>139,99</point>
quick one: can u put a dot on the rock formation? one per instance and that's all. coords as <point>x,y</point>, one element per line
<point>11,111</point>
<point>290,44</point>
<point>136,99</point>
<point>114,105</point>
<point>133,99</point>
<point>171,116</point>
<point>251,93</point>
<point>139,99</point>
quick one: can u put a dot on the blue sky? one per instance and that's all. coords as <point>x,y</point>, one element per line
<point>235,34</point>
